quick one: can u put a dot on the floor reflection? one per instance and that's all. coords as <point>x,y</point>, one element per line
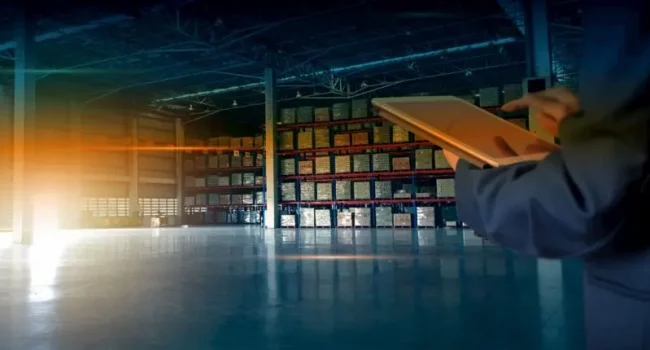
<point>245,287</point>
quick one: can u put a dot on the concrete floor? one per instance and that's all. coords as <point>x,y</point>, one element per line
<point>244,288</point>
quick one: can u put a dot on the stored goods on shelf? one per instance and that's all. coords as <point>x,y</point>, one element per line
<point>259,141</point>
<point>322,137</point>
<point>200,162</point>
<point>248,179</point>
<point>248,161</point>
<point>259,160</point>
<point>344,218</point>
<point>323,191</point>
<point>236,161</point>
<point>401,163</point>
<point>288,191</point>
<point>424,158</point>
<point>213,199</point>
<point>247,198</point>
<point>362,190</point>
<point>351,127</point>
<point>305,114</point>
<point>383,190</point>
<point>224,199</point>
<point>341,140</point>
<point>426,216</point>
<point>259,197</point>
<point>259,180</point>
<point>360,138</point>
<point>323,218</point>
<point>305,167</point>
<point>213,141</point>
<point>250,217</point>
<point>381,162</point>
<point>212,180</point>
<point>440,160</point>
<point>445,188</point>
<point>306,139</point>
<point>322,114</point>
<point>188,164</point>
<point>342,164</point>
<point>224,180</point>
<point>360,108</point>
<point>287,220</point>
<point>361,163</point>
<point>361,217</point>
<point>236,179</point>
<point>307,217</point>
<point>383,216</point>
<point>199,182</point>
<point>213,162</point>
<point>402,220</point>
<point>286,141</point>
<point>400,134</point>
<point>235,142</point>
<point>423,195</point>
<point>307,191</point>
<point>288,167</point>
<point>288,116</point>
<point>247,142</point>
<point>323,165</point>
<point>224,161</point>
<point>512,92</point>
<point>402,194</point>
<point>381,134</point>
<point>189,181</point>
<point>450,215</point>
<point>341,111</point>
<point>236,199</point>
<point>190,200</point>
<point>343,190</point>
<point>224,141</point>
<point>489,96</point>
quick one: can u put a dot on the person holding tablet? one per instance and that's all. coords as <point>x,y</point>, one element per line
<point>586,200</point>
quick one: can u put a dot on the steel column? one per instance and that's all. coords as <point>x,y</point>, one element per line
<point>6,160</point>
<point>538,38</point>
<point>75,174</point>
<point>271,219</point>
<point>134,198</point>
<point>180,142</point>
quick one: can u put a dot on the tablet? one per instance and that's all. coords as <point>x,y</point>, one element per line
<point>461,127</point>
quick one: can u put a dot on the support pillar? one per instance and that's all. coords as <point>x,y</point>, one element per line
<point>24,127</point>
<point>6,160</point>
<point>75,174</point>
<point>271,219</point>
<point>180,142</point>
<point>134,198</point>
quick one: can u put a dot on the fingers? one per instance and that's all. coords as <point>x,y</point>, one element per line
<point>548,123</point>
<point>558,102</point>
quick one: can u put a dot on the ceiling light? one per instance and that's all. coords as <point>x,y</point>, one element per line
<point>298,94</point>
<point>234,103</point>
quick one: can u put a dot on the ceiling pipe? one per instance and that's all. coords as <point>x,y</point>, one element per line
<point>350,68</point>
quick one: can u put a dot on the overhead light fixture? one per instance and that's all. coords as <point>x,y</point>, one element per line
<point>234,103</point>
<point>191,108</point>
<point>298,94</point>
<point>364,84</point>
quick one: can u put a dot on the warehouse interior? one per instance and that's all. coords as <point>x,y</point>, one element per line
<point>187,174</point>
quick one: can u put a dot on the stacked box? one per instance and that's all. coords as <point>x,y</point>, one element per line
<point>188,164</point>
<point>235,142</point>
<point>342,164</point>
<point>247,142</point>
<point>235,161</point>
<point>401,163</point>
<point>362,190</point>
<point>224,161</point>
<point>489,97</point>
<point>250,217</point>
<point>323,165</point>
<point>343,190</point>
<point>224,141</point>
<point>236,179</point>
<point>213,199</point>
<point>344,219</point>
<point>360,138</point>
<point>322,114</point>
<point>381,134</point>
<point>324,191</point>
<point>423,195</point>
<point>359,109</point>
<point>259,197</point>
<point>400,134</point>
<point>354,127</point>
<point>450,215</point>
<point>200,162</point>
<point>259,160</point>
<point>213,141</point>
<point>402,220</point>
<point>307,217</point>
<point>426,216</point>
<point>259,180</point>
<point>445,188</point>
<point>306,139</point>
<point>224,180</point>
<point>224,199</point>
<point>288,191</point>
<point>424,159</point>
<point>288,167</point>
<point>305,114</point>
<point>247,198</point>
<point>286,141</point>
<point>190,200</point>
<point>189,181</point>
<point>248,179</point>
<point>236,199</point>
<point>361,217</point>
<point>383,216</point>
<point>305,167</point>
<point>322,137</point>
<point>323,218</point>
<point>383,190</point>
<point>381,162</point>
<point>248,161</point>
<point>213,162</point>
<point>361,163</point>
<point>288,116</point>
<point>287,220</point>
<point>199,182</point>
<point>402,194</point>
<point>259,141</point>
<point>201,199</point>
<point>440,160</point>
<point>341,111</point>
<point>341,140</point>
<point>212,180</point>
<point>512,92</point>
<point>307,191</point>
